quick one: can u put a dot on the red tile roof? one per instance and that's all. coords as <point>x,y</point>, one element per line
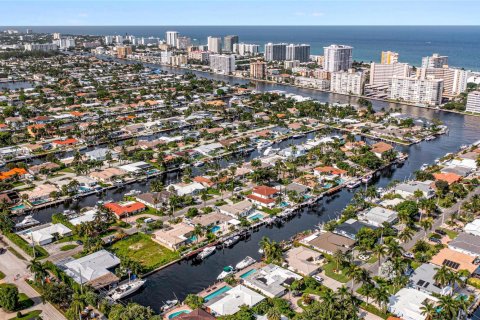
<point>66,141</point>
<point>264,191</point>
<point>332,170</point>
<point>260,199</point>
<point>10,173</point>
<point>121,210</point>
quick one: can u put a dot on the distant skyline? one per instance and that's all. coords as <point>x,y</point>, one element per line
<point>238,12</point>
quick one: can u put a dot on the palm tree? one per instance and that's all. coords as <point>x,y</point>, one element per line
<point>355,273</point>
<point>39,272</point>
<point>380,296</point>
<point>198,231</point>
<point>394,249</point>
<point>338,258</point>
<point>406,234</point>
<point>448,306</point>
<point>274,314</point>
<point>426,225</point>
<point>271,250</point>
<point>443,276</point>
<point>428,310</point>
<point>380,250</point>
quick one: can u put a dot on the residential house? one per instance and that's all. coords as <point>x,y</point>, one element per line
<point>156,200</point>
<point>124,209</point>
<point>271,280</point>
<point>174,236</point>
<point>408,303</point>
<point>303,260</point>
<point>101,154</point>
<point>41,193</point>
<point>45,234</point>
<point>329,173</point>
<point>407,189</point>
<point>466,243</point>
<point>455,260</point>
<point>423,279</point>
<point>351,227</point>
<point>263,196</point>
<point>377,216</point>
<point>380,148</point>
<point>186,189</point>
<point>473,227</point>
<point>236,210</point>
<point>229,302</point>
<point>329,242</point>
<point>107,175</point>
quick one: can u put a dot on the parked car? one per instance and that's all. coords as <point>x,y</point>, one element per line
<point>435,240</point>
<point>318,278</point>
<point>440,232</point>
<point>363,257</point>
<point>408,255</point>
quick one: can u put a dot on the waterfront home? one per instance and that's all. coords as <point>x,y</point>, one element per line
<point>458,170</point>
<point>15,173</point>
<point>39,194</point>
<point>209,149</point>
<point>95,270</point>
<point>43,168</point>
<point>263,196</point>
<point>298,188</point>
<point>380,148</point>
<point>271,280</point>
<point>377,216</point>
<point>174,236</point>
<point>473,227</point>
<point>204,181</point>
<point>468,162</point>
<point>84,217</point>
<point>186,189</point>
<point>65,143</point>
<point>136,167</point>
<point>447,177</point>
<point>236,210</point>
<point>303,260</point>
<point>107,175</point>
<point>408,303</point>
<point>211,220</point>
<point>229,302</point>
<point>100,154</point>
<point>197,314</point>
<point>407,189</point>
<point>329,242</point>
<point>45,234</point>
<point>423,279</point>
<point>351,227</point>
<point>125,209</point>
<point>466,243</point>
<point>329,173</point>
<point>455,260</point>
<point>292,152</point>
<point>156,200</point>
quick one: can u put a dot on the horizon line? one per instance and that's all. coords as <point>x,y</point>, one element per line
<point>252,25</point>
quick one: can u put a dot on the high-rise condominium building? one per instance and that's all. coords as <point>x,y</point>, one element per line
<point>108,40</point>
<point>300,52</point>
<point>275,51</point>
<point>383,73</point>
<point>434,61</point>
<point>41,47</point>
<point>417,90</point>
<point>337,58</point>
<point>123,51</point>
<point>347,82</point>
<point>245,49</point>
<point>454,80</point>
<point>222,63</point>
<point>473,102</point>
<point>389,57</point>
<point>56,36</point>
<point>258,69</point>
<point>183,43</point>
<point>65,43</point>
<point>171,37</point>
<point>214,44</point>
<point>228,42</point>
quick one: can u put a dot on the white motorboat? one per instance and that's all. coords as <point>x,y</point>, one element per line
<point>169,304</point>
<point>264,144</point>
<point>366,178</point>
<point>248,261</point>
<point>133,193</point>
<point>270,151</point>
<point>28,221</point>
<point>226,272</point>
<point>206,252</point>
<point>231,241</point>
<point>353,184</point>
<point>126,289</point>
<point>424,166</point>
<point>298,135</point>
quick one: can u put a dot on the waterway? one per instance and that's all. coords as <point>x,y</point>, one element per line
<point>187,277</point>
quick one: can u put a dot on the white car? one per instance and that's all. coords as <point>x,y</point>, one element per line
<point>318,278</point>
<point>409,255</point>
<point>363,257</point>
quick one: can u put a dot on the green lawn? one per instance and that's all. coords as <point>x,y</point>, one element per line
<point>141,248</point>
<point>329,267</point>
<point>68,169</point>
<point>450,233</point>
<point>68,247</point>
<point>24,301</point>
<point>30,315</point>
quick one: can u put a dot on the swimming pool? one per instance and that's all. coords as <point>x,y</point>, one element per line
<point>176,314</point>
<point>19,207</point>
<point>283,204</point>
<point>215,229</point>
<point>257,216</point>
<point>249,272</point>
<point>217,293</point>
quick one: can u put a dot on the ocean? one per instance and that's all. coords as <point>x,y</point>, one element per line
<point>460,43</point>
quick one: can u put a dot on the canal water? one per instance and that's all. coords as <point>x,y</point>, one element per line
<point>187,277</point>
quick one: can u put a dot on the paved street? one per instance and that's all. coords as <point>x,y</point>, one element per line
<point>12,266</point>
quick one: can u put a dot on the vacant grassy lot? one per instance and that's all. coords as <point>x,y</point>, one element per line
<point>141,248</point>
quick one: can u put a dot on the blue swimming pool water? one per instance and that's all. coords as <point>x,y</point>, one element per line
<point>257,216</point>
<point>217,293</point>
<point>38,202</point>
<point>176,314</point>
<point>215,229</point>
<point>283,204</point>
<point>19,207</point>
<point>249,272</point>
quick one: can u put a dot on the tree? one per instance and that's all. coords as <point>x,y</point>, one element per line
<point>428,310</point>
<point>8,297</point>
<point>380,250</point>
<point>271,250</point>
<point>131,311</point>
<point>39,272</point>
<point>406,234</point>
<point>338,258</point>
<point>194,301</point>
<point>274,314</point>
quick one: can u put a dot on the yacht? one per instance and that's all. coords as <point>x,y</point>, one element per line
<point>248,261</point>
<point>353,184</point>
<point>169,304</point>
<point>226,272</point>
<point>298,135</point>
<point>264,144</point>
<point>133,193</point>
<point>28,221</point>
<point>206,252</point>
<point>270,151</point>
<point>126,289</point>
<point>424,166</point>
<point>231,241</point>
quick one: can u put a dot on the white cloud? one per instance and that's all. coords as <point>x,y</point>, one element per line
<point>317,14</point>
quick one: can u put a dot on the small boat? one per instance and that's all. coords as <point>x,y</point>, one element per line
<point>298,135</point>
<point>226,272</point>
<point>28,221</point>
<point>169,304</point>
<point>248,261</point>
<point>353,184</point>
<point>126,289</point>
<point>68,212</point>
<point>260,251</point>
<point>231,241</point>
<point>366,178</point>
<point>264,144</point>
<point>269,151</point>
<point>424,166</point>
<point>206,252</point>
<point>133,193</point>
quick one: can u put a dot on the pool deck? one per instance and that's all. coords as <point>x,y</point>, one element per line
<point>212,288</point>
<point>256,265</point>
<point>176,309</point>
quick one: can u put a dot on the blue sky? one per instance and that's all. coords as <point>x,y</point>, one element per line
<point>239,12</point>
